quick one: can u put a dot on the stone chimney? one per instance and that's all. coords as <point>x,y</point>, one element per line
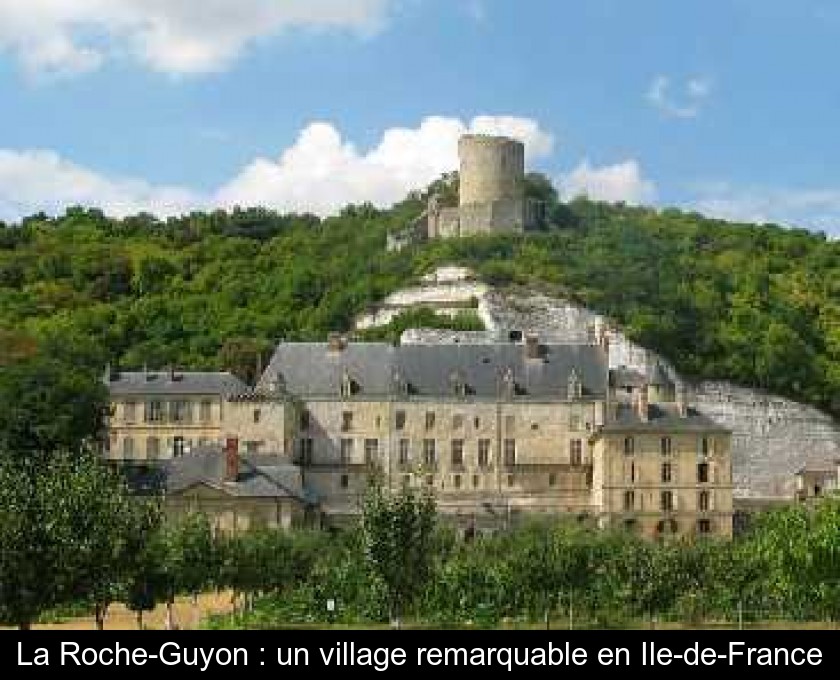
<point>335,342</point>
<point>642,403</point>
<point>532,346</point>
<point>682,401</point>
<point>231,459</point>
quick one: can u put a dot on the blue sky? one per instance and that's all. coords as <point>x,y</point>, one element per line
<point>724,106</point>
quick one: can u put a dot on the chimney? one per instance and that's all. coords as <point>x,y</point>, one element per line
<point>682,401</point>
<point>231,459</point>
<point>532,346</point>
<point>335,342</point>
<point>642,403</point>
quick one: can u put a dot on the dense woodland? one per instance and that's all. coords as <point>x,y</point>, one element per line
<point>759,305</point>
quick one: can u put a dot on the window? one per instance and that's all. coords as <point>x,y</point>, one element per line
<point>552,479</point>
<point>456,481</point>
<point>457,421</point>
<point>178,446</point>
<point>128,448</point>
<point>371,450</point>
<point>257,415</point>
<point>154,412</point>
<point>666,472</point>
<point>476,481</point>
<point>510,423</point>
<point>305,451</point>
<point>574,423</point>
<point>665,446</point>
<point>704,526</point>
<point>430,480</point>
<point>484,453</point>
<point>666,501</point>
<point>129,411</point>
<point>399,420</point>
<point>152,448</point>
<point>430,420</point>
<point>180,411</point>
<point>510,452</point>
<point>703,473</point>
<point>429,454</point>
<point>576,451</point>
<point>403,452</point>
<point>510,480</point>
<point>457,452</point>
<point>476,422</point>
<point>305,420</point>
<point>632,472</point>
<point>204,411</point>
<point>346,451</point>
<point>630,525</point>
<point>703,501</point>
<point>346,421</point>
<point>629,446</point>
<point>629,501</point>
<point>705,446</point>
<point>345,481</point>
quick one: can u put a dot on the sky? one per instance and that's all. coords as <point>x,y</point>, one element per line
<point>726,107</point>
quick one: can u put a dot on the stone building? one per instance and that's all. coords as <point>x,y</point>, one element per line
<point>158,415</point>
<point>491,195</point>
<point>238,491</point>
<point>662,469</point>
<point>499,430</point>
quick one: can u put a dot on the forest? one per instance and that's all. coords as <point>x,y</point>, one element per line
<point>755,304</point>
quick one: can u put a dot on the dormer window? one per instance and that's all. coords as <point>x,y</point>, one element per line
<point>349,387</point>
<point>400,383</point>
<point>574,388</point>
<point>508,383</point>
<point>457,385</point>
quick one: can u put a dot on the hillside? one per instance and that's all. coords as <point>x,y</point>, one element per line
<point>758,305</point>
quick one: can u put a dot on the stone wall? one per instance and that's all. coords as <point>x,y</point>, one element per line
<point>772,437</point>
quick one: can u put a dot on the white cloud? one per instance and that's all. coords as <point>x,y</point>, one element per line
<point>173,36</point>
<point>612,183</point>
<point>322,172</point>
<point>808,208</point>
<point>319,173</point>
<point>31,181</point>
<point>697,91</point>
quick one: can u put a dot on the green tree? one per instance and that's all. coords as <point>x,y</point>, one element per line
<point>397,534</point>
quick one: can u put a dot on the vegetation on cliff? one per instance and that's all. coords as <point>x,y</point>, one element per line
<point>759,305</point>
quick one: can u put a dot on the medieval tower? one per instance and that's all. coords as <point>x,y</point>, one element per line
<point>491,199</point>
<point>492,184</point>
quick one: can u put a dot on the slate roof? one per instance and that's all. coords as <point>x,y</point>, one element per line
<point>378,369</point>
<point>626,377</point>
<point>312,369</point>
<point>661,417</point>
<point>260,476</point>
<point>127,383</point>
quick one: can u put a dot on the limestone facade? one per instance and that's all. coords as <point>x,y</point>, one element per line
<point>498,430</point>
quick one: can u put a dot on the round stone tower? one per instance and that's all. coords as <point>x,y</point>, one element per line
<point>492,169</point>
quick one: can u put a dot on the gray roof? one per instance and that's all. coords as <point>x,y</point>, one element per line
<point>139,383</point>
<point>260,476</point>
<point>662,417</point>
<point>627,377</point>
<point>312,370</point>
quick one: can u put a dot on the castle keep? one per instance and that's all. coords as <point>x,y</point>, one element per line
<point>491,195</point>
